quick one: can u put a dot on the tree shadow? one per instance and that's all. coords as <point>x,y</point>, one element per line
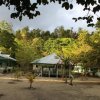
<point>28,88</point>
<point>11,82</point>
<point>1,95</point>
<point>14,81</point>
<point>17,80</point>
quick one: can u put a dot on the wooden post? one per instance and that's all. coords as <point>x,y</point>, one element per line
<point>41,71</point>
<point>49,72</point>
<point>57,71</point>
<point>62,72</point>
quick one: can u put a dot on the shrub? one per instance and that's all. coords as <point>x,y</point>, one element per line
<point>30,78</point>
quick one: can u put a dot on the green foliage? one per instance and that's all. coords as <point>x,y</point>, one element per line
<point>45,35</point>
<point>28,51</point>
<point>35,33</point>
<point>97,25</point>
<point>18,35</point>
<point>7,42</point>
<point>93,55</point>
<point>55,45</point>
<point>60,32</point>
<point>24,54</point>
<point>94,40</point>
<point>28,46</point>
<point>6,39</point>
<point>23,33</point>
<point>17,74</point>
<point>4,25</point>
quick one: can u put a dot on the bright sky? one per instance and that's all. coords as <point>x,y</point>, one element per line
<point>52,16</point>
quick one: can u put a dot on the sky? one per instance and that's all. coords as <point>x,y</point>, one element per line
<point>52,16</point>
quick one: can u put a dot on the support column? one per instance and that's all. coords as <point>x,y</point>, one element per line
<point>57,71</point>
<point>62,72</point>
<point>49,72</point>
<point>69,70</point>
<point>41,71</point>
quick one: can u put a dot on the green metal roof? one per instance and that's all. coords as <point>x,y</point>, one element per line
<point>1,58</point>
<point>6,57</point>
<point>52,59</point>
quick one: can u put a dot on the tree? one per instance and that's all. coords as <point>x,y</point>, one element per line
<point>45,35</point>
<point>28,51</point>
<point>7,40</point>
<point>29,8</point>
<point>23,33</point>
<point>67,67</point>
<point>91,58</point>
<point>35,33</point>
<point>30,77</point>
<point>17,74</point>
<point>4,25</point>
<point>97,26</point>
<point>82,46</point>
<point>50,46</point>
<point>94,54</point>
<point>24,54</point>
<point>18,35</point>
<point>59,32</point>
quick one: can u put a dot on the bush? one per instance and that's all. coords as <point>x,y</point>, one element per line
<point>4,71</point>
<point>30,78</point>
<point>17,74</point>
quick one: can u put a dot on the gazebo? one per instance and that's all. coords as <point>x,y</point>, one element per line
<point>6,61</point>
<point>50,65</point>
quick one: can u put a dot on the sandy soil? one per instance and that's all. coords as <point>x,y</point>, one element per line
<point>12,90</point>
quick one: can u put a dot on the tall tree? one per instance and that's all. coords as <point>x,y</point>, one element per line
<point>35,33</point>
<point>45,35</point>
<point>7,40</point>
<point>18,35</point>
<point>59,32</point>
<point>23,33</point>
<point>28,50</point>
<point>4,25</point>
<point>94,56</point>
<point>82,48</point>
<point>97,26</point>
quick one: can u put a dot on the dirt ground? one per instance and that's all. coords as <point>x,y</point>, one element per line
<point>12,90</point>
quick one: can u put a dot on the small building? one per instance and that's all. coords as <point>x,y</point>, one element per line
<point>78,69</point>
<point>6,62</point>
<point>50,65</point>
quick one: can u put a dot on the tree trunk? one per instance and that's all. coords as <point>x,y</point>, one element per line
<point>71,81</point>
<point>30,85</point>
<point>66,81</point>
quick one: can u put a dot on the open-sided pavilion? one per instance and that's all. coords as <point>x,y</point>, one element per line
<point>6,61</point>
<point>50,65</point>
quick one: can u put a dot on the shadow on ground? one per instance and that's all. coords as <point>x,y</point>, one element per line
<point>1,95</point>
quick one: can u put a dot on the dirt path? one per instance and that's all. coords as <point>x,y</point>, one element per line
<point>12,90</point>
